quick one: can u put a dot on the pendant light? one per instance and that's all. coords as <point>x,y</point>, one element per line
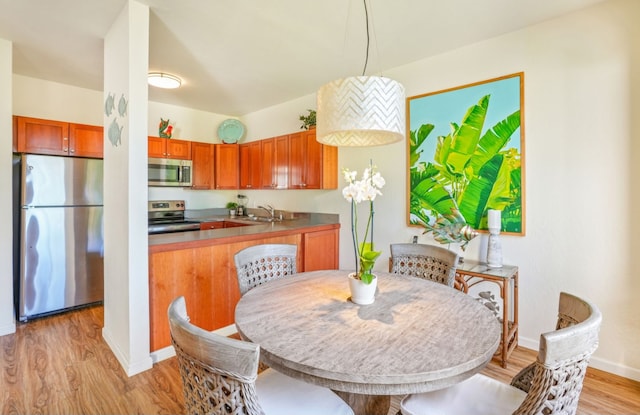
<point>361,110</point>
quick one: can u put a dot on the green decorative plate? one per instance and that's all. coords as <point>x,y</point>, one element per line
<point>230,131</point>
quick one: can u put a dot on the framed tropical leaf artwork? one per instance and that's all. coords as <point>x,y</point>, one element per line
<point>466,155</point>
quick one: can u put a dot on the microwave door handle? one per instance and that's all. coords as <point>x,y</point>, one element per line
<point>179,174</point>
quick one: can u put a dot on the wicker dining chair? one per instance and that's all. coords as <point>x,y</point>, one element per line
<point>220,376</point>
<point>258,264</point>
<point>430,262</point>
<point>550,385</point>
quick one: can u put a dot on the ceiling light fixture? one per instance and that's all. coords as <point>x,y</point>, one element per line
<point>361,110</point>
<point>164,80</point>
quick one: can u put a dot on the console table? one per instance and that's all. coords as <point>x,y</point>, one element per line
<point>471,273</point>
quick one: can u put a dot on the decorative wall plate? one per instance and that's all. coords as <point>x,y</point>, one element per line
<point>115,133</point>
<point>109,104</point>
<point>122,106</point>
<point>230,131</point>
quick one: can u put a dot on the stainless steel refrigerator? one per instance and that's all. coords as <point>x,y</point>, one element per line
<point>61,251</point>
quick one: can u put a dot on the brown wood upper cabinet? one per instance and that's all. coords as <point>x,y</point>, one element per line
<point>202,171</point>
<point>226,166</point>
<point>250,165</point>
<point>169,148</point>
<point>275,162</point>
<point>293,161</point>
<point>34,135</point>
<point>311,164</point>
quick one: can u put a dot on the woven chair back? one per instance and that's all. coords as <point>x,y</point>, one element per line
<point>425,261</point>
<point>218,373</point>
<point>258,264</point>
<point>556,378</point>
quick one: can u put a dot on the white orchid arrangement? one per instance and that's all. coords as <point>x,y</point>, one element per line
<point>355,192</point>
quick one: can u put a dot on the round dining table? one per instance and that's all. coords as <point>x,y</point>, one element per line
<point>417,336</point>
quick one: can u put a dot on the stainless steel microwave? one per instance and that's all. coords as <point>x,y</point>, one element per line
<point>169,172</point>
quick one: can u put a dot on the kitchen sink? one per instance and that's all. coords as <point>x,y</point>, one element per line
<point>280,216</point>
<point>259,219</point>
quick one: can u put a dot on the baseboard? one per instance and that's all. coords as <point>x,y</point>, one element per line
<point>594,362</point>
<point>226,331</point>
<point>162,354</point>
<point>167,352</point>
<point>8,329</point>
<point>129,367</point>
<point>616,369</point>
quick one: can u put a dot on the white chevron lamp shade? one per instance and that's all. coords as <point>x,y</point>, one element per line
<point>361,111</point>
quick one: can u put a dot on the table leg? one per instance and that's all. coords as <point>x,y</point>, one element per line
<point>505,287</point>
<point>366,404</point>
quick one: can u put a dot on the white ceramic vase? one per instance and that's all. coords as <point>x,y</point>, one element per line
<point>362,293</point>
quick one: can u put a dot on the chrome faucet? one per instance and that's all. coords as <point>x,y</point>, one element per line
<point>270,209</point>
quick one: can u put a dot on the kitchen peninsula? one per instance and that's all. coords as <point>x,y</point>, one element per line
<point>199,264</point>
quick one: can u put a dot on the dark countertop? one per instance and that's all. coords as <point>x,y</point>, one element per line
<point>292,222</point>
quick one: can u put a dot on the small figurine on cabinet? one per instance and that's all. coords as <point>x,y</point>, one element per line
<point>165,128</point>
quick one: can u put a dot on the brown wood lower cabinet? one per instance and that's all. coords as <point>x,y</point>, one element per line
<point>206,276</point>
<point>320,250</point>
<point>205,226</point>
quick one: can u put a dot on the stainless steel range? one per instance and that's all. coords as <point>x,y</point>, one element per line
<point>167,216</point>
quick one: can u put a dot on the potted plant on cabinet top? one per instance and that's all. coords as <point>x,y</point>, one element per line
<point>308,121</point>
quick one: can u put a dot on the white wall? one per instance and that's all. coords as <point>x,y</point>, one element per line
<point>578,73</point>
<point>54,101</point>
<point>188,124</point>
<point>7,322</point>
<point>581,96</point>
<point>126,288</point>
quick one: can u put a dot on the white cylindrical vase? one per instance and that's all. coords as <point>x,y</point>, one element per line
<point>494,251</point>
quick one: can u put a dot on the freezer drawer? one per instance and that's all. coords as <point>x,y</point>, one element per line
<point>62,264</point>
<point>61,181</point>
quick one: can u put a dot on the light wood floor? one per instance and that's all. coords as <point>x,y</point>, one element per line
<point>61,365</point>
